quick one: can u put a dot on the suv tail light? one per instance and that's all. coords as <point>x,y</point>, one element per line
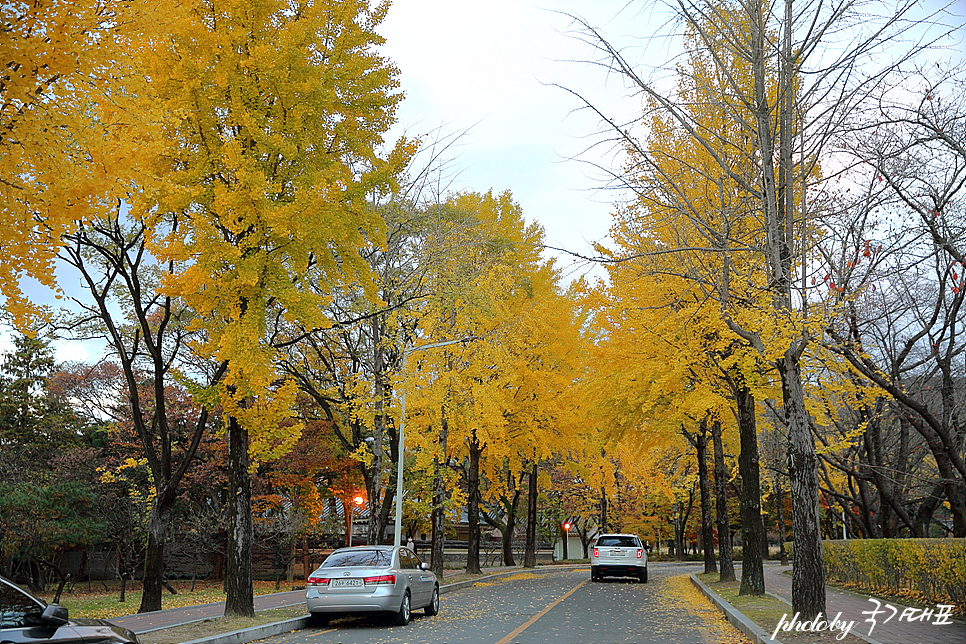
<point>380,579</point>
<point>317,581</point>
<point>595,552</point>
<point>640,553</point>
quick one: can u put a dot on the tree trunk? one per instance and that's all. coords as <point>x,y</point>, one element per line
<point>953,487</point>
<point>437,555</point>
<point>727,572</point>
<point>780,512</point>
<point>154,554</point>
<point>511,523</point>
<point>808,574</point>
<point>681,525</point>
<point>239,600</point>
<point>438,538</point>
<point>306,570</point>
<point>530,548</point>
<point>374,529</point>
<point>927,508</point>
<point>386,509</point>
<point>584,533</point>
<point>752,529</point>
<point>473,506</point>
<point>707,528</point>
<point>603,510</point>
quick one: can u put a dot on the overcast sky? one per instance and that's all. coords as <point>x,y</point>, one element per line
<point>496,66</point>
<point>493,66</point>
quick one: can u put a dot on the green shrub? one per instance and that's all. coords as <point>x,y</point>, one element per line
<point>930,570</point>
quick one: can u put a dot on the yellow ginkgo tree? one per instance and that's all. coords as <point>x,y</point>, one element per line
<point>483,390</point>
<point>58,155</point>
<point>271,118</point>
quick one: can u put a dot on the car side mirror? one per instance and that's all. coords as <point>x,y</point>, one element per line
<point>647,547</point>
<point>424,566</point>
<point>54,615</point>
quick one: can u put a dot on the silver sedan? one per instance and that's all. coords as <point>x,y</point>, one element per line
<point>371,579</point>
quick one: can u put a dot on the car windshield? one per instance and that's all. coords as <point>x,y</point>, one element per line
<point>366,558</point>
<point>621,542</point>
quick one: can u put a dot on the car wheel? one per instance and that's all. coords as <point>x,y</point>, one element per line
<point>433,607</point>
<point>594,575</point>
<point>319,619</point>
<point>643,575</point>
<point>401,618</point>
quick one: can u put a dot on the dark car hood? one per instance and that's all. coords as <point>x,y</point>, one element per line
<point>83,624</point>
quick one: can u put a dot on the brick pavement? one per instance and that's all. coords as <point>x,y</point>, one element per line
<point>852,606</point>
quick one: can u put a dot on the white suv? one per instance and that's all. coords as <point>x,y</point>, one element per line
<point>619,555</point>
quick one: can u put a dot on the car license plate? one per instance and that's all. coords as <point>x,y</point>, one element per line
<point>346,583</point>
<point>616,553</point>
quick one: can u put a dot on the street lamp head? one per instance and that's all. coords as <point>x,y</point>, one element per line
<point>566,527</point>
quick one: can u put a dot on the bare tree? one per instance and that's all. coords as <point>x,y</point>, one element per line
<point>791,74</point>
<point>901,328</point>
<point>148,334</point>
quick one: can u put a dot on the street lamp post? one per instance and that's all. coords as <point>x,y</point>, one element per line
<point>357,501</point>
<point>397,533</point>
<point>566,540</point>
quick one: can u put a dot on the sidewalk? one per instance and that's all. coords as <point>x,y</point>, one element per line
<point>890,626</point>
<point>858,608</point>
<point>147,622</point>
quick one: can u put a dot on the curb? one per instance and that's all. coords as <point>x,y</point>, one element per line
<point>739,621</point>
<point>256,632</point>
<point>246,635</point>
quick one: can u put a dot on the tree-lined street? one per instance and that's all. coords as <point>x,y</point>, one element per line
<point>310,339</point>
<point>545,608</point>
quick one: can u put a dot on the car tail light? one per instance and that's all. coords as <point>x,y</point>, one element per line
<point>595,552</point>
<point>317,581</point>
<point>640,553</point>
<point>381,579</point>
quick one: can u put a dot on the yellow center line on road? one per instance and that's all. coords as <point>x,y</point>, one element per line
<point>546,610</point>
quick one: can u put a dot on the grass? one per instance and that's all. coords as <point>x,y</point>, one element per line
<point>102,599</point>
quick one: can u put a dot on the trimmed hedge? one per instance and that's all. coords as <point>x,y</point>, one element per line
<point>929,570</point>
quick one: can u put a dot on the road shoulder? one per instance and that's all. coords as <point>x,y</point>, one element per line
<point>758,616</point>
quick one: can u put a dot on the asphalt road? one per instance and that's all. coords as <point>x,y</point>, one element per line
<point>560,607</point>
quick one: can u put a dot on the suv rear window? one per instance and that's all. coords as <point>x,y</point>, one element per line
<point>620,542</point>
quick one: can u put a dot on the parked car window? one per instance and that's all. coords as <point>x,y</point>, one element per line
<point>620,542</point>
<point>416,560</point>
<point>17,610</point>
<point>406,559</point>
<point>362,558</point>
